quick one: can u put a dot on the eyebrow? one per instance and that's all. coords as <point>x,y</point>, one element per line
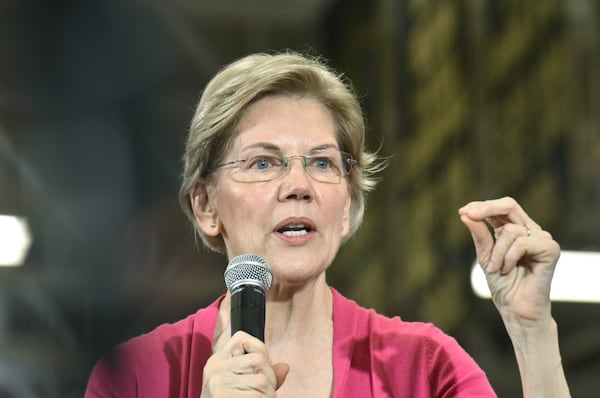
<point>275,148</point>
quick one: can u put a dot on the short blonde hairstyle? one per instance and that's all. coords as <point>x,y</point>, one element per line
<point>256,76</point>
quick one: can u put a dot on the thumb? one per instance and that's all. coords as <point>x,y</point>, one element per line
<point>281,371</point>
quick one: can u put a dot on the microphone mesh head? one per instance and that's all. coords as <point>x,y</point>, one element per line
<point>248,269</point>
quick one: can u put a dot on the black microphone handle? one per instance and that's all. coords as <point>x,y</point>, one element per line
<point>248,311</point>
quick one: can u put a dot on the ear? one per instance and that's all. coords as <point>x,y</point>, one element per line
<point>346,217</point>
<point>205,212</point>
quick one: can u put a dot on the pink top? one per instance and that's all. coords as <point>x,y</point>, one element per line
<point>373,356</point>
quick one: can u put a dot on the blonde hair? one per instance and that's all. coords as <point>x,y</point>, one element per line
<point>256,76</point>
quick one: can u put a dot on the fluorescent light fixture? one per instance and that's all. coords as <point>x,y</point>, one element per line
<point>15,240</point>
<point>576,278</point>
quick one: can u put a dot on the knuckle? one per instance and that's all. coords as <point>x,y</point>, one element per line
<point>512,257</point>
<point>555,247</point>
<point>254,358</point>
<point>520,243</point>
<point>262,382</point>
<point>211,365</point>
<point>510,201</point>
<point>513,229</point>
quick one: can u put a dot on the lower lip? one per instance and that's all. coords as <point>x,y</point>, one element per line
<point>296,240</point>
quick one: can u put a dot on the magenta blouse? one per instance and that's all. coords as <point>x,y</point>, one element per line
<point>373,356</point>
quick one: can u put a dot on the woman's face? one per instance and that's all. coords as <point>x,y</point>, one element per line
<point>295,222</point>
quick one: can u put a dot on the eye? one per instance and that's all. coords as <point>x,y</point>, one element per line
<point>322,163</point>
<point>263,162</point>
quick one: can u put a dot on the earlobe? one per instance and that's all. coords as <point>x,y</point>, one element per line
<point>204,210</point>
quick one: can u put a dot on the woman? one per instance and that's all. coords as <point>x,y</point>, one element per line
<point>275,164</point>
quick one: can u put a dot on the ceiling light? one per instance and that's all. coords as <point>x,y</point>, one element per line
<point>15,240</point>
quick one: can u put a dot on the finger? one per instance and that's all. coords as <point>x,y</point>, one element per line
<point>514,239</point>
<point>506,237</point>
<point>515,256</point>
<point>498,212</point>
<point>242,343</point>
<point>252,358</point>
<point>482,239</point>
<point>248,372</point>
<point>538,256</point>
<point>247,364</point>
<point>488,208</point>
<point>275,374</point>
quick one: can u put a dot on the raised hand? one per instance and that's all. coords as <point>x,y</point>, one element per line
<point>518,259</point>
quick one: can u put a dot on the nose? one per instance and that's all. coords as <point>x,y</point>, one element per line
<point>296,182</point>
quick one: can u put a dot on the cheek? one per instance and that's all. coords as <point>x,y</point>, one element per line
<point>240,207</point>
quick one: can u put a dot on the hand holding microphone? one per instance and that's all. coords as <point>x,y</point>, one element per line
<point>243,363</point>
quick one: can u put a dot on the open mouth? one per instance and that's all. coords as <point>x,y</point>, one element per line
<point>295,229</point>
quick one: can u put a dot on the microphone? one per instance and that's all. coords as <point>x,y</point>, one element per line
<point>248,278</point>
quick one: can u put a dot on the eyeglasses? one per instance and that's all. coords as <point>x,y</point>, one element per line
<point>327,165</point>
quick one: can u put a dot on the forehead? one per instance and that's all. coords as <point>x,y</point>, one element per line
<point>285,122</point>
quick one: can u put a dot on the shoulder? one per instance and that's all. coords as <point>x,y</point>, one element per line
<point>170,337</point>
<point>415,355</point>
<point>145,359</point>
<point>384,329</point>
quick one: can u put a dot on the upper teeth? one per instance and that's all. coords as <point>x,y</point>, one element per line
<point>295,226</point>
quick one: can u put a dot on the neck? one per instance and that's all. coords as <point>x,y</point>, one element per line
<point>293,313</point>
<point>298,313</point>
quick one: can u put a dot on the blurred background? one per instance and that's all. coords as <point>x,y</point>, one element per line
<point>470,99</point>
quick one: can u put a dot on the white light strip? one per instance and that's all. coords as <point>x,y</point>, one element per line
<point>576,278</point>
<point>15,240</point>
